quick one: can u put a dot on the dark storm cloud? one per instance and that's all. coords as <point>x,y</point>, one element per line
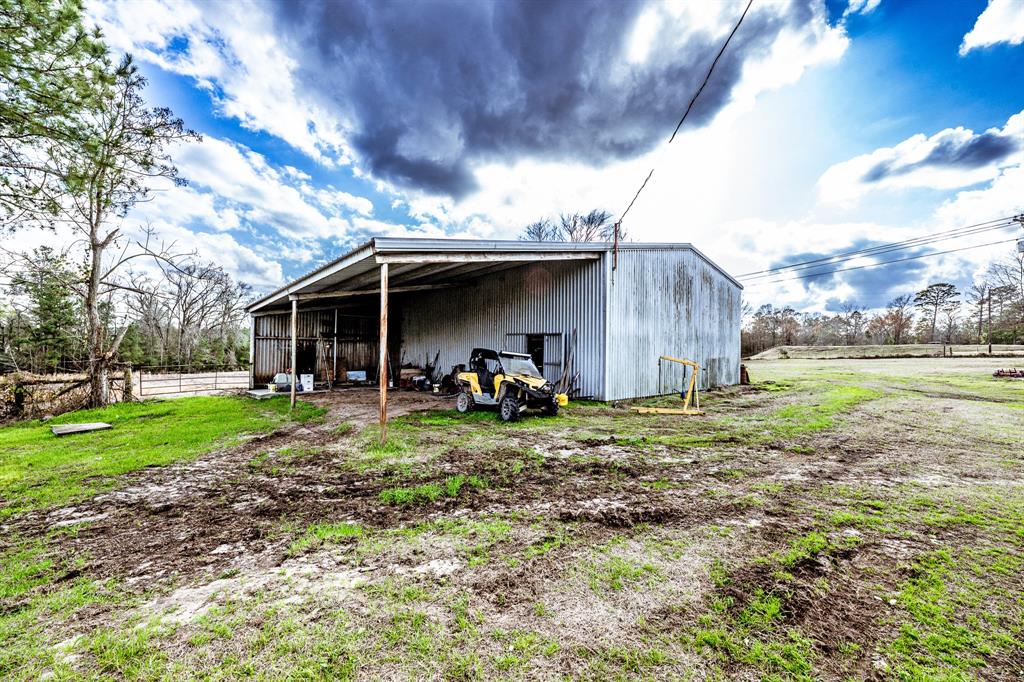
<point>873,287</point>
<point>950,152</point>
<point>429,87</point>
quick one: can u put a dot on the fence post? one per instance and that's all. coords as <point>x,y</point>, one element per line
<point>19,394</point>
<point>215,379</point>
<point>127,392</point>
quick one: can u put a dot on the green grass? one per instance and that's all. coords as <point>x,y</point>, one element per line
<point>38,469</point>
<point>816,404</point>
<point>820,413</point>
<point>956,616</point>
<point>325,533</point>
<point>617,572</point>
<point>451,487</point>
<point>38,588</point>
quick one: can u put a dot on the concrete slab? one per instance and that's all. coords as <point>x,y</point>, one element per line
<point>68,429</point>
<point>263,393</point>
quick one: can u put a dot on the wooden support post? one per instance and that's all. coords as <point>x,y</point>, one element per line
<point>252,353</point>
<point>383,352</point>
<point>295,347</point>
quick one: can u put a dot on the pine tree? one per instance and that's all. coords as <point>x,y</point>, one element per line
<point>53,311</point>
<point>934,299</point>
<point>51,70</point>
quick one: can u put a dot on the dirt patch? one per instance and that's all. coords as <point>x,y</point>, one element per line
<point>587,532</point>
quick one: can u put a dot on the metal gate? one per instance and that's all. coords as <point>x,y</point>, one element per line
<point>172,380</point>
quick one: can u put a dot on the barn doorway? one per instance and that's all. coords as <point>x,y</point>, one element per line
<point>535,348</point>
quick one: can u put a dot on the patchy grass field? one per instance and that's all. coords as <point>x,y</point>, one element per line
<point>39,470</point>
<point>836,520</point>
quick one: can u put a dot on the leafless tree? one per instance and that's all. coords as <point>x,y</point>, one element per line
<point>900,312</point>
<point>1007,278</point>
<point>539,231</point>
<point>595,226</point>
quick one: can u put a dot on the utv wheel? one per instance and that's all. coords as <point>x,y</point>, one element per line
<point>464,403</point>
<point>551,408</point>
<point>509,409</point>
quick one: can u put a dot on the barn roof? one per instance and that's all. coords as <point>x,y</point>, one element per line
<point>420,264</point>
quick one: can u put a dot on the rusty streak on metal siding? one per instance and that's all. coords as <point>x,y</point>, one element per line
<point>670,302</point>
<point>542,298</point>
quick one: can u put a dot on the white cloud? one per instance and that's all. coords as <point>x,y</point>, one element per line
<point>230,48</point>
<point>260,193</point>
<point>1001,22</point>
<point>1003,197</point>
<point>950,159</point>
<point>258,267</point>
<point>861,7</point>
<point>233,51</point>
<point>232,189</point>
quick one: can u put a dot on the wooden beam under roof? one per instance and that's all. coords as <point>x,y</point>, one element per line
<point>373,277</point>
<point>421,272</point>
<point>523,257</point>
<point>451,272</point>
<point>364,292</point>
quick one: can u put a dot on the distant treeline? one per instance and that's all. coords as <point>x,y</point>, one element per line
<point>991,311</point>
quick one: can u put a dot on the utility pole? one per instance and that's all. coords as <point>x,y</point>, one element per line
<point>990,320</point>
<point>981,314</point>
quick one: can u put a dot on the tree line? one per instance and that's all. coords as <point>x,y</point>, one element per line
<point>79,148</point>
<point>990,311</point>
<point>193,314</point>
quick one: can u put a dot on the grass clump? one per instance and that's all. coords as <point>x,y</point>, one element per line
<point>39,470</point>
<point>794,420</point>
<point>617,572</point>
<point>344,428</point>
<point>451,487</point>
<point>325,533</point>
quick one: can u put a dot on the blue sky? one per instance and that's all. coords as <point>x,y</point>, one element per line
<point>826,126</point>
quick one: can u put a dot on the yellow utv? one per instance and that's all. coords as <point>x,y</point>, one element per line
<point>508,381</point>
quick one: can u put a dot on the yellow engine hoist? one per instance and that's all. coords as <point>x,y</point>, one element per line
<point>692,393</point>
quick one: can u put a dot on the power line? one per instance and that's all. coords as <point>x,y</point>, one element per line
<point>708,77</point>
<point>888,262</point>
<point>998,223</point>
<point>882,248</point>
<point>991,224</point>
<point>689,107</point>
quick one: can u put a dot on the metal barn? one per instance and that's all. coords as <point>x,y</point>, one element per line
<point>607,311</point>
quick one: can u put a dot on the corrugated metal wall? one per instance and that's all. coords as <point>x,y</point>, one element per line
<point>356,343</point>
<point>541,298</point>
<point>670,302</point>
<point>658,302</point>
